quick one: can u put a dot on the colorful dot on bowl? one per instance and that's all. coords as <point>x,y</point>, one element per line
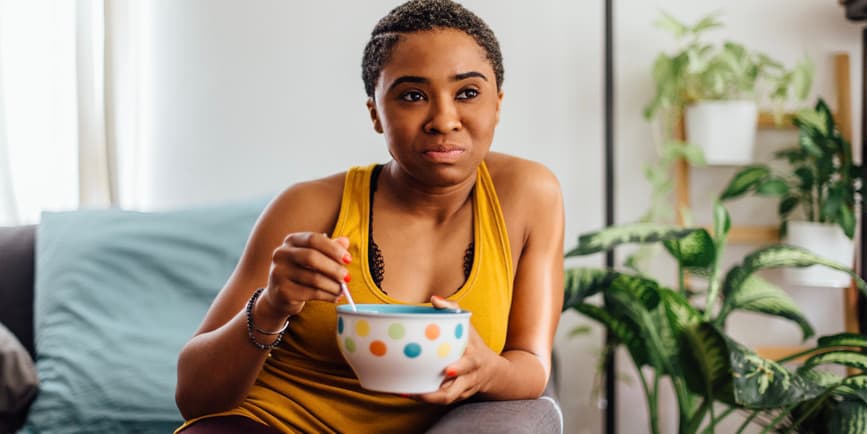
<point>377,348</point>
<point>444,349</point>
<point>349,344</point>
<point>432,331</point>
<point>459,331</point>
<point>412,350</point>
<point>340,325</point>
<point>362,328</point>
<point>396,331</point>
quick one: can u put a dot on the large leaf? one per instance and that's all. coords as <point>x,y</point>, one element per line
<point>854,387</point>
<point>673,316</point>
<point>706,362</point>
<point>843,340</point>
<point>638,289</point>
<point>624,329</point>
<point>764,384</point>
<point>842,357</point>
<point>745,180</point>
<point>737,376</point>
<point>696,250</point>
<point>848,417</point>
<point>580,283</point>
<point>610,237</point>
<point>758,295</point>
<point>780,256</point>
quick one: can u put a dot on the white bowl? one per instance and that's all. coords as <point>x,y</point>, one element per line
<point>401,348</point>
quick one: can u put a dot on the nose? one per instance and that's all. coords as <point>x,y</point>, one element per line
<point>444,117</point>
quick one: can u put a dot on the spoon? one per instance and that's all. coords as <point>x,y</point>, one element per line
<point>345,291</point>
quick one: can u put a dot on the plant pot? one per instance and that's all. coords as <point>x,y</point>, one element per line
<point>827,241</point>
<point>725,130</point>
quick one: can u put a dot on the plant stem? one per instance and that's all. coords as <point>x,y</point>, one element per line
<point>713,292</point>
<point>651,397</point>
<point>684,402</point>
<point>711,428</point>
<point>747,422</point>
<point>681,279</point>
<point>783,413</point>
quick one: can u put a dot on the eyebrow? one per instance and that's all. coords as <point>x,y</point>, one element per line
<point>422,80</point>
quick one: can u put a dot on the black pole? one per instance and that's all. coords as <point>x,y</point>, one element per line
<point>610,366</point>
<point>862,309</point>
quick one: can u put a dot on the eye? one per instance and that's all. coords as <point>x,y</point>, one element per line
<point>468,93</point>
<point>412,96</point>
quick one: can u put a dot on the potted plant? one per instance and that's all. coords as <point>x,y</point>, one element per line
<point>717,86</point>
<point>677,336</point>
<point>819,193</point>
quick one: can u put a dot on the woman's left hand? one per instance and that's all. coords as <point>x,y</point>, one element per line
<point>469,374</point>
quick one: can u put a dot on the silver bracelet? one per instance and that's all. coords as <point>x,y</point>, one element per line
<point>251,326</point>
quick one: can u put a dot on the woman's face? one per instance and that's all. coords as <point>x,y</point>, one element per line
<point>437,103</point>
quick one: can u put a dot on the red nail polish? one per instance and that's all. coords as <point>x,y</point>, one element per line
<point>347,259</point>
<point>403,395</point>
<point>347,277</point>
<point>451,372</point>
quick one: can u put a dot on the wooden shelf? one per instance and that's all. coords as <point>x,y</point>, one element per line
<point>752,234</point>
<point>778,352</point>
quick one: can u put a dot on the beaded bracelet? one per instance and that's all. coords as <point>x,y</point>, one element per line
<point>251,326</point>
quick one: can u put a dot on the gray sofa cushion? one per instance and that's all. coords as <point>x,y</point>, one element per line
<point>537,416</point>
<point>16,282</point>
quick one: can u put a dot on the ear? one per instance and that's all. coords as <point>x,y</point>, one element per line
<point>374,116</point>
<point>499,102</point>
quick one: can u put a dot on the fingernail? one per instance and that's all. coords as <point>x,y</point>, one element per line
<point>347,259</point>
<point>451,372</point>
<point>347,277</point>
<point>437,298</point>
<point>403,395</point>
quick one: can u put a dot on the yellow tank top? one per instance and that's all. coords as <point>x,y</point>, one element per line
<point>307,386</point>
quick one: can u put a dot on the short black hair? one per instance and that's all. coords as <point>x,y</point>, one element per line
<point>419,15</point>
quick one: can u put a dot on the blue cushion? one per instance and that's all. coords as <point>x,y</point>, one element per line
<point>118,293</point>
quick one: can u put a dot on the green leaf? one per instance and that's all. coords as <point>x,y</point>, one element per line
<point>773,187</point>
<point>853,387</point>
<point>761,296</point>
<point>847,221</point>
<point>759,383</point>
<point>807,138</point>
<point>696,250</point>
<point>706,23</point>
<point>612,236</point>
<point>787,205</point>
<point>580,283</point>
<point>841,357</point>
<point>805,175</point>
<point>639,289</point>
<point>843,340</point>
<point>743,181</point>
<point>705,359</point>
<point>848,417</point>
<point>581,330</point>
<point>671,24</point>
<point>780,256</point>
<point>624,329</point>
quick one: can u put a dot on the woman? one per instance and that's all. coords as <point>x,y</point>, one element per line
<point>445,221</point>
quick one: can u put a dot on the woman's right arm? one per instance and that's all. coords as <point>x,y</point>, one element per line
<point>288,255</point>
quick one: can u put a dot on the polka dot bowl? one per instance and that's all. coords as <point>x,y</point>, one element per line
<point>401,348</point>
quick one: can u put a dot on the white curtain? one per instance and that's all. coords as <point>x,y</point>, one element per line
<point>60,126</point>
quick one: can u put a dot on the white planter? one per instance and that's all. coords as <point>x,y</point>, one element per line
<point>725,130</point>
<point>827,241</point>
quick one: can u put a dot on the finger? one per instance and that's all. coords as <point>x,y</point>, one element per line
<point>441,303</point>
<point>315,260</point>
<point>315,280</point>
<point>334,249</point>
<point>306,293</point>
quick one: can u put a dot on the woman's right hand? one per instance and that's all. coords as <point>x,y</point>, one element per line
<point>307,266</point>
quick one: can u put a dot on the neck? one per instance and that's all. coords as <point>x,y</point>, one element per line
<point>439,203</point>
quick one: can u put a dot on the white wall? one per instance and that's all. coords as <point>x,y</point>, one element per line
<point>244,98</point>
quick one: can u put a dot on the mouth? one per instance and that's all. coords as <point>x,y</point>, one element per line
<point>444,153</point>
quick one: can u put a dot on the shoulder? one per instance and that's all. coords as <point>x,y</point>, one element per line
<point>306,206</point>
<point>514,176</point>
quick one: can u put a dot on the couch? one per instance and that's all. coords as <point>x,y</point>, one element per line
<point>102,300</point>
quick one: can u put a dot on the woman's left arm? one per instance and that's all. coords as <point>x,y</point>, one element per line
<point>521,371</point>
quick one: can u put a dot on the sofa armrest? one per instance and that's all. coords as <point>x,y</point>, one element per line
<point>542,416</point>
<point>17,246</point>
